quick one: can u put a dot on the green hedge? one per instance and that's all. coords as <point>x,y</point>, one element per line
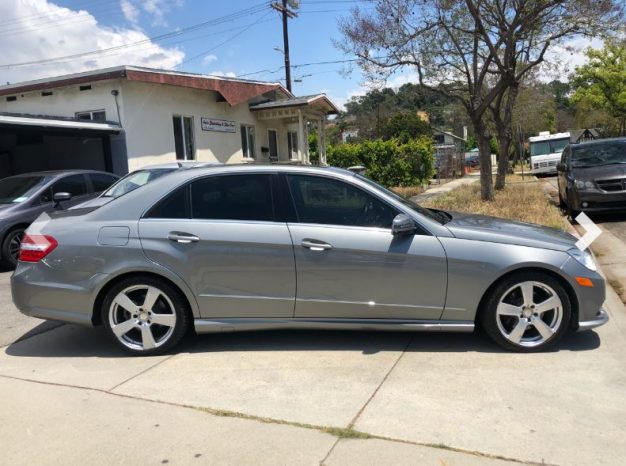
<point>391,163</point>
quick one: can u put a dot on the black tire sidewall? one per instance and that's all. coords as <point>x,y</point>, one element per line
<point>7,259</point>
<point>181,308</point>
<point>488,316</point>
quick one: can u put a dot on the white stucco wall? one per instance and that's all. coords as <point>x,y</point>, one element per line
<point>146,112</point>
<point>147,118</point>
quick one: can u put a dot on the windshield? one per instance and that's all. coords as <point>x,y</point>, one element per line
<point>135,180</point>
<point>19,188</point>
<point>606,153</point>
<point>548,147</point>
<point>435,215</point>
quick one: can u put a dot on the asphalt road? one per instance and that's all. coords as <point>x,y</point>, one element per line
<point>614,222</point>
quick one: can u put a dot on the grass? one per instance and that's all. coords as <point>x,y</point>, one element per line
<point>522,199</point>
<point>408,191</point>
<point>618,287</point>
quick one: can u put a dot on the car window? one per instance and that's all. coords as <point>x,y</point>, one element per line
<point>233,197</point>
<point>101,181</point>
<point>18,189</point>
<point>174,205</point>
<point>135,180</point>
<point>332,202</point>
<point>597,154</point>
<point>76,185</point>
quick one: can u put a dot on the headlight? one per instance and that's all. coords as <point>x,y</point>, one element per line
<point>585,184</point>
<point>584,257</point>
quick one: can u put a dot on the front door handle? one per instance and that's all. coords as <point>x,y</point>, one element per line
<point>182,237</point>
<point>315,245</point>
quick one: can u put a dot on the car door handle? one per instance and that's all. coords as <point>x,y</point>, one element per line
<point>182,237</point>
<point>315,245</point>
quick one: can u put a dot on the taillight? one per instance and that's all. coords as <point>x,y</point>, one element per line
<point>36,247</point>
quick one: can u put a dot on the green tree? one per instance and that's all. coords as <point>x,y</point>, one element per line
<point>404,126</point>
<point>601,82</point>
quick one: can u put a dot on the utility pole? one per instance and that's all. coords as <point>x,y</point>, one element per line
<point>286,14</point>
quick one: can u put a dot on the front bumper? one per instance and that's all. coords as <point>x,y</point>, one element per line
<point>602,317</point>
<point>597,201</point>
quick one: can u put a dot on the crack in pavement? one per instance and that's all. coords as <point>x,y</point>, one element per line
<point>266,420</point>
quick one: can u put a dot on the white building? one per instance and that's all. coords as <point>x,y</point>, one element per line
<point>122,118</point>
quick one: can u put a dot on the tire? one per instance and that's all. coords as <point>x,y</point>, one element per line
<point>10,247</point>
<point>514,321</point>
<point>570,212</point>
<point>142,328</point>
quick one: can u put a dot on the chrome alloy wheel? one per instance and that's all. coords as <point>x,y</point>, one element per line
<point>15,244</point>
<point>529,313</point>
<point>142,317</point>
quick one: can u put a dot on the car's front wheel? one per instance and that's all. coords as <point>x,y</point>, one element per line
<point>145,315</point>
<point>11,247</point>
<point>527,312</point>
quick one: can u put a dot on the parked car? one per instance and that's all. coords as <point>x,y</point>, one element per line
<point>472,161</point>
<point>592,176</point>
<point>136,179</point>
<point>24,197</point>
<point>222,249</point>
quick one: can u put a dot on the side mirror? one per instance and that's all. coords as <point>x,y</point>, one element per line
<point>60,197</point>
<point>403,225</point>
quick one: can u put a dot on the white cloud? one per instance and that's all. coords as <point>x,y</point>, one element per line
<point>562,59</point>
<point>225,74</point>
<point>131,13</point>
<point>158,9</point>
<point>48,31</point>
<point>209,59</point>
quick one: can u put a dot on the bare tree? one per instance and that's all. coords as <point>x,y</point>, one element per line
<point>476,51</point>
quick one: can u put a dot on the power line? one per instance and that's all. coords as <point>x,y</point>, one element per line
<point>213,22</point>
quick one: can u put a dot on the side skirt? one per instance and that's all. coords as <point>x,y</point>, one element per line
<point>238,325</point>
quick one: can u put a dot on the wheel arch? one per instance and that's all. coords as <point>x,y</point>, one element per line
<point>96,318</point>
<point>567,286</point>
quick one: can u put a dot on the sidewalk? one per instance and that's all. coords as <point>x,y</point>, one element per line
<point>438,190</point>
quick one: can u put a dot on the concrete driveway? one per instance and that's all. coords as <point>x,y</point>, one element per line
<point>304,397</point>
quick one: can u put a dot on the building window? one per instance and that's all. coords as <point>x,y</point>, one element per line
<point>183,138</point>
<point>92,115</point>
<point>247,141</point>
<point>292,144</point>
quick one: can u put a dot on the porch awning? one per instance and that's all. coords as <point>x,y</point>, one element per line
<point>318,103</point>
<point>17,121</point>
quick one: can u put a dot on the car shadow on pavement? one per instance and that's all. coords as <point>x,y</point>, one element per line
<point>368,342</point>
<point>75,341</point>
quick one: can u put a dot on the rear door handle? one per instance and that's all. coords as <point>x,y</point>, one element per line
<point>182,237</point>
<point>315,245</point>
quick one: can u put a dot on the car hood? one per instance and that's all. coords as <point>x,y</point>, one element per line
<point>95,202</point>
<point>614,170</point>
<point>497,230</point>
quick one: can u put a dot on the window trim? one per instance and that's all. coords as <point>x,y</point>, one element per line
<point>335,225</point>
<point>182,117</point>
<point>246,155</point>
<point>91,112</point>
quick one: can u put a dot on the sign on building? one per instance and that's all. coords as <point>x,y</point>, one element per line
<point>222,126</point>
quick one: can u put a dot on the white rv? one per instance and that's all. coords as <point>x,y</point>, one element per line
<point>545,151</point>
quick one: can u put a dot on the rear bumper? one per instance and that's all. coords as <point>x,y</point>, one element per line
<point>601,318</point>
<point>65,299</point>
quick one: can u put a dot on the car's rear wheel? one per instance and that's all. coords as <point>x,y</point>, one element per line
<point>527,312</point>
<point>11,247</point>
<point>145,315</point>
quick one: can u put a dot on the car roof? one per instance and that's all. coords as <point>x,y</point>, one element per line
<point>57,173</point>
<point>178,165</point>
<point>597,142</point>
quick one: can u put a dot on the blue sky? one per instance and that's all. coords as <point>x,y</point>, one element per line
<point>237,47</point>
<point>41,31</point>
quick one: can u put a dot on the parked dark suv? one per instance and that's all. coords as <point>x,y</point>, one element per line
<point>24,197</point>
<point>592,176</point>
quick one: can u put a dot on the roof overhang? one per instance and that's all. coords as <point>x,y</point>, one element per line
<point>235,91</point>
<point>319,103</point>
<point>38,122</point>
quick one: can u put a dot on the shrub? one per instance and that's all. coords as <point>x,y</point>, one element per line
<point>391,163</point>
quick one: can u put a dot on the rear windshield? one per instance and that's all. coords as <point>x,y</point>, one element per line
<point>135,180</point>
<point>18,189</point>
<point>593,155</point>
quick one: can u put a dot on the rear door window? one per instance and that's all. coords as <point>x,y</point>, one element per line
<point>101,181</point>
<point>233,197</point>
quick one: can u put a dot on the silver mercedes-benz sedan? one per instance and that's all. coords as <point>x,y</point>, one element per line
<point>255,247</point>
